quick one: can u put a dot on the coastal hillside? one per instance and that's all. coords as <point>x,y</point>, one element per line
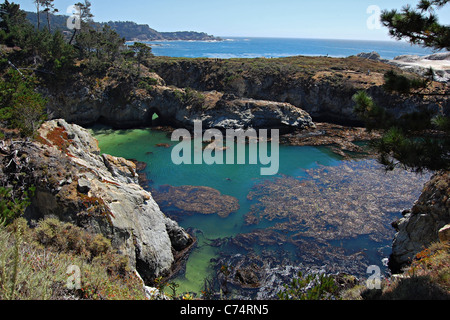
<point>181,90</point>
<point>58,191</point>
<point>129,30</point>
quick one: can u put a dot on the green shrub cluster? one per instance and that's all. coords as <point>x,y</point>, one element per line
<point>417,141</point>
<point>32,57</point>
<point>310,287</point>
<point>191,97</point>
<point>399,83</point>
<point>20,106</point>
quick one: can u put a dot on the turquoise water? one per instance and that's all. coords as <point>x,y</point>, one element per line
<point>303,163</point>
<point>282,47</point>
<point>232,180</point>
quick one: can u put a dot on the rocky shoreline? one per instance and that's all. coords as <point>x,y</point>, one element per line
<point>100,193</point>
<point>287,94</point>
<point>439,62</point>
<point>258,271</point>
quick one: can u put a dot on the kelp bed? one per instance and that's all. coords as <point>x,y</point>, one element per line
<point>353,199</point>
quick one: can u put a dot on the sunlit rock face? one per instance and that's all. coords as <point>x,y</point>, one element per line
<point>76,184</point>
<point>420,226</point>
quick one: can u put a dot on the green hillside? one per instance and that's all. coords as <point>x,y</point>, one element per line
<point>127,29</point>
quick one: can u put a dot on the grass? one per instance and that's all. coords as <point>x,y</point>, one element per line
<point>297,66</point>
<point>242,75</point>
<point>34,264</point>
<point>428,277</point>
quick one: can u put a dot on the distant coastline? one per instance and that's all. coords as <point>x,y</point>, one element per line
<point>129,30</point>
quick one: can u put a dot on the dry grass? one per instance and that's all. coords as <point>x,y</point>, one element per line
<point>34,264</point>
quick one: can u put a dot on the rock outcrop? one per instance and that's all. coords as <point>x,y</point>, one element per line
<point>174,106</point>
<point>259,93</point>
<point>76,184</point>
<point>323,87</point>
<point>439,62</point>
<point>420,227</point>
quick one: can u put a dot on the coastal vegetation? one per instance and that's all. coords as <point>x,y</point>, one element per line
<point>32,58</point>
<point>418,141</point>
<point>129,30</point>
<point>37,61</point>
<point>34,264</point>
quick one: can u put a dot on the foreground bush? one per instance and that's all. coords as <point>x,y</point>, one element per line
<point>34,264</point>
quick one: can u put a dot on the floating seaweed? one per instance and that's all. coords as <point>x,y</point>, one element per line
<point>334,218</point>
<point>353,199</point>
<point>188,200</point>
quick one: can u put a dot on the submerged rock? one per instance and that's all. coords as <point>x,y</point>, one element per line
<point>341,139</point>
<point>332,219</point>
<point>188,200</point>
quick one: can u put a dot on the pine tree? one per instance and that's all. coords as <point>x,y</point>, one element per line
<point>38,12</point>
<point>420,25</point>
<point>12,18</point>
<point>49,8</point>
<point>142,51</point>
<point>85,16</point>
<point>415,141</point>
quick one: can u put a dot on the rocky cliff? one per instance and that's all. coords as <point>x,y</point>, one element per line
<point>420,226</point>
<point>121,105</point>
<point>76,184</point>
<point>282,93</point>
<point>321,86</point>
<point>286,93</point>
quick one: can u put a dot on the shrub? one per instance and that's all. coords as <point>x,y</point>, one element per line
<point>65,237</point>
<point>20,106</point>
<point>12,205</point>
<point>30,270</point>
<point>311,287</point>
<point>194,98</point>
<point>400,83</point>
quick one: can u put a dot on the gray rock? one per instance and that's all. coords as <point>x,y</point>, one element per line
<point>369,55</point>
<point>128,214</point>
<point>83,185</point>
<point>444,234</point>
<point>438,56</point>
<point>407,58</point>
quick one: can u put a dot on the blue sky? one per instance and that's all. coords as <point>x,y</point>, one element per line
<point>327,19</point>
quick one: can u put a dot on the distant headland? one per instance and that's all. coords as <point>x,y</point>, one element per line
<point>132,31</point>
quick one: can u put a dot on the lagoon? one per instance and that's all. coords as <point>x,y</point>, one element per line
<point>319,210</point>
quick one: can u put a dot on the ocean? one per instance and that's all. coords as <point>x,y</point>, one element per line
<point>282,47</point>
